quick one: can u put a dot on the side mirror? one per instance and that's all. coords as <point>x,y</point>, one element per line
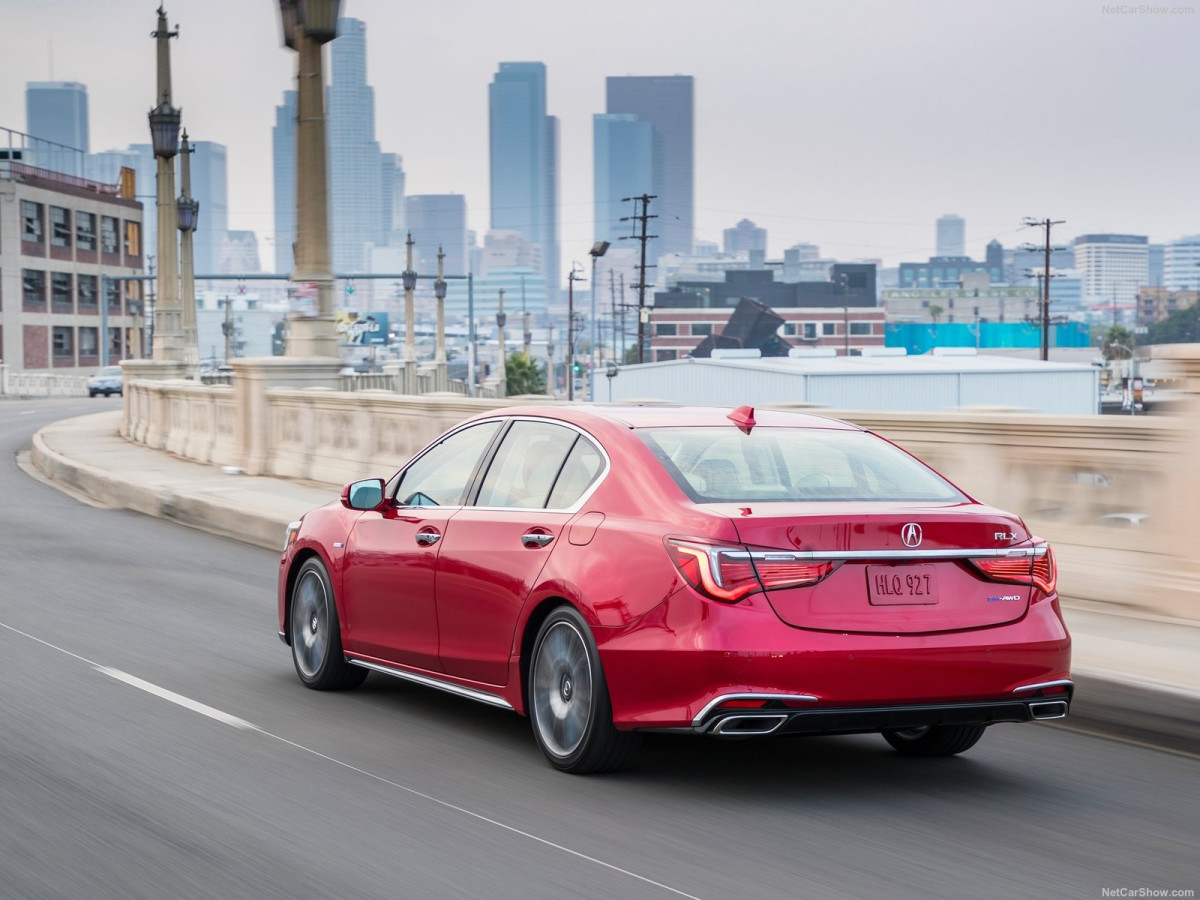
<point>365,494</point>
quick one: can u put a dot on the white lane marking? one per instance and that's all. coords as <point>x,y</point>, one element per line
<point>512,829</point>
<point>28,412</point>
<point>179,699</point>
<point>242,723</point>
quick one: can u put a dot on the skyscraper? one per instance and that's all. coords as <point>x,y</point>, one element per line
<point>283,148</point>
<point>438,220</point>
<point>355,164</point>
<point>523,152</point>
<point>210,189</point>
<point>58,111</point>
<point>951,236</point>
<point>623,166</point>
<point>667,102</point>
<point>1181,264</point>
<point>392,181</point>
<point>1113,267</point>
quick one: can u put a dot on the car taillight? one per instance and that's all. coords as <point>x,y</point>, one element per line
<point>730,573</point>
<point>723,573</point>
<point>1041,572</point>
<point>1045,572</point>
<point>782,570</point>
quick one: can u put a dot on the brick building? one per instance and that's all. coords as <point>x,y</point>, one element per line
<point>64,241</point>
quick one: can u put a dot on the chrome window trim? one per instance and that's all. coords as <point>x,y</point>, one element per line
<point>697,722</point>
<point>584,497</point>
<point>428,681</point>
<point>429,449</point>
<point>990,553</point>
<point>1065,682</point>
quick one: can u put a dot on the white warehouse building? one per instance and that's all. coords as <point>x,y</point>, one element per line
<point>928,383</point>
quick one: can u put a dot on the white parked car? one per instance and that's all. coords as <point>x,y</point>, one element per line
<point>109,380</point>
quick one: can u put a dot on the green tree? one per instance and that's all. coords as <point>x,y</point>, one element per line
<point>935,313</point>
<point>1117,343</point>
<point>523,376</point>
<point>1181,327</point>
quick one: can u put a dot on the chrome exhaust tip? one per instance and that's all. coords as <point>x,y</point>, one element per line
<point>1053,709</point>
<point>747,726</point>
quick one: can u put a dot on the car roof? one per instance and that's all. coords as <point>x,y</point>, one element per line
<point>664,416</point>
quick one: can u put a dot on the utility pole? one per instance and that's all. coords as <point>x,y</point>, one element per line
<point>1045,225</point>
<point>644,219</point>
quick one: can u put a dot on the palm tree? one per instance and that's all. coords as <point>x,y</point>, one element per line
<point>523,376</point>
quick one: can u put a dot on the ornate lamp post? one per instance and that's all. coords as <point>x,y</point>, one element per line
<point>307,25</point>
<point>410,324</point>
<point>502,374</point>
<point>189,212</point>
<point>439,291</point>
<point>164,137</point>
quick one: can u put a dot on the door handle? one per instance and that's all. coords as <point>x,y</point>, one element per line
<point>428,538</point>
<point>536,540</point>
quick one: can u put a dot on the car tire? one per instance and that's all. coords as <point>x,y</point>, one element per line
<point>569,706</point>
<point>935,740</point>
<point>91,393</point>
<point>315,633</point>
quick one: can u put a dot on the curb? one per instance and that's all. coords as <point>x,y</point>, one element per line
<point>196,509</point>
<point>1145,712</point>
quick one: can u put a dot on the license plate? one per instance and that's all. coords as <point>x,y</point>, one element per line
<point>902,585</point>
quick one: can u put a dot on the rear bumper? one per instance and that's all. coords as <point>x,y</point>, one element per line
<point>737,723</point>
<point>671,669</point>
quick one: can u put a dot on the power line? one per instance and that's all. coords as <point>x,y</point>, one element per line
<point>1045,225</point>
<point>644,218</point>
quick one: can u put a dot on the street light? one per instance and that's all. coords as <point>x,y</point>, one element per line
<point>598,250</point>
<point>165,120</point>
<point>164,129</point>
<point>409,275</point>
<point>439,291</point>
<point>188,212</point>
<point>501,318</point>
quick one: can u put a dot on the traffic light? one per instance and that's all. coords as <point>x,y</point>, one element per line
<point>576,368</point>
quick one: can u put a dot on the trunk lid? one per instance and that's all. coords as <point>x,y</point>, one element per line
<point>901,568</point>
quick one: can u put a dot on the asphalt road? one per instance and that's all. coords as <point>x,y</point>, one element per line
<point>156,743</point>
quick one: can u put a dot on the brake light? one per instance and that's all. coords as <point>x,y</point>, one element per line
<point>1045,572</point>
<point>1041,571</point>
<point>730,573</point>
<point>722,573</point>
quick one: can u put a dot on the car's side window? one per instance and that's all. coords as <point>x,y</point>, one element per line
<point>582,467</point>
<point>526,465</point>
<point>443,474</point>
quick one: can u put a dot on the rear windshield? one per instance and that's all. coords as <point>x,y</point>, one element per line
<point>723,465</point>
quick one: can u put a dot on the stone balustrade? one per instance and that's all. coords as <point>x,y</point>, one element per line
<point>1117,496</point>
<point>41,384</point>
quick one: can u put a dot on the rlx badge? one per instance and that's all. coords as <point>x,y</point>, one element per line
<point>911,535</point>
<point>1004,536</point>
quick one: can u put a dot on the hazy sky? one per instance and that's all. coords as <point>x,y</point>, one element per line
<point>853,124</point>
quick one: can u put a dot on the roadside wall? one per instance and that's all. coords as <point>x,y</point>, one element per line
<point>1118,497</point>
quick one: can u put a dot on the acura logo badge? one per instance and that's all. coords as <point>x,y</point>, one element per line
<point>911,535</point>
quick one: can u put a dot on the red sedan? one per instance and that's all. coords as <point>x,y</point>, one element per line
<point>613,570</point>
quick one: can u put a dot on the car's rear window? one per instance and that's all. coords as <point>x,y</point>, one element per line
<point>723,465</point>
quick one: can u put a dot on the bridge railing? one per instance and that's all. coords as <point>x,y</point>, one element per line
<point>41,384</point>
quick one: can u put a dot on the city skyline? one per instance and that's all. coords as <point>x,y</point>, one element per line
<point>824,146</point>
